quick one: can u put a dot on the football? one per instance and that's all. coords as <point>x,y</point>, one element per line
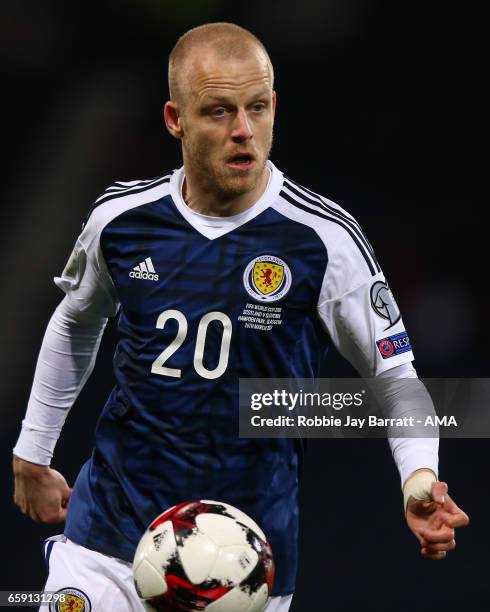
<point>203,556</point>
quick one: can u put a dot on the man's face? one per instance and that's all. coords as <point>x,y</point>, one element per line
<point>227,122</point>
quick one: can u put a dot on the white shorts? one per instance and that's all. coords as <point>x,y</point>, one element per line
<point>100,583</point>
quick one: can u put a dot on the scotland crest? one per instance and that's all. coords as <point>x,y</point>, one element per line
<point>267,278</point>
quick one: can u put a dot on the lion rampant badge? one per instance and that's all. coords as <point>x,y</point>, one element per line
<point>267,278</point>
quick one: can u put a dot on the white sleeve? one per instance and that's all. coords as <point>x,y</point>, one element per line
<point>362,318</point>
<point>359,312</point>
<point>69,347</point>
<point>85,278</point>
<point>411,454</point>
<point>65,361</point>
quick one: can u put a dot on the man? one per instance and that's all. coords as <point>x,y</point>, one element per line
<point>180,258</point>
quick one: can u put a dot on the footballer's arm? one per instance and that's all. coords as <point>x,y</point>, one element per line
<point>431,514</point>
<point>361,317</point>
<point>66,359</point>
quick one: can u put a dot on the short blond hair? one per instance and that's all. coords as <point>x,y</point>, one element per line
<point>228,40</point>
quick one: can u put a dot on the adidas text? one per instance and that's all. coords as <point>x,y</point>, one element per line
<point>143,275</point>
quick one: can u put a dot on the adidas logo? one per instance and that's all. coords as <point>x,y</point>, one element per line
<point>144,270</point>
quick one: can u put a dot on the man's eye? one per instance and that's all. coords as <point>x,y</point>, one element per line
<point>258,107</point>
<point>218,112</point>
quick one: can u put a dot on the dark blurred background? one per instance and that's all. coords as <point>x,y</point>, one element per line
<point>381,107</point>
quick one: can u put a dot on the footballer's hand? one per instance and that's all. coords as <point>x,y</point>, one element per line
<point>40,492</point>
<point>433,521</point>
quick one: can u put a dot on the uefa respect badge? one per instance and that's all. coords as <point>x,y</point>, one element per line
<point>394,345</point>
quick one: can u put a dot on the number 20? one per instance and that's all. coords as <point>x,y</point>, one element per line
<point>158,366</point>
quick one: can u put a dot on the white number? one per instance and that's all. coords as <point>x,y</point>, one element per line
<point>224,352</point>
<point>157,366</point>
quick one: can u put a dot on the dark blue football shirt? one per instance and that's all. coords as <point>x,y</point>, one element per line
<point>185,289</point>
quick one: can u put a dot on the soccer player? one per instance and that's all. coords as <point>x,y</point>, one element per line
<point>179,258</point>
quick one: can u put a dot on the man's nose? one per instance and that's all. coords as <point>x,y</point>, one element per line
<point>242,130</point>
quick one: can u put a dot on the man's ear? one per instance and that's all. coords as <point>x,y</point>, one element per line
<point>172,118</point>
<point>274,103</point>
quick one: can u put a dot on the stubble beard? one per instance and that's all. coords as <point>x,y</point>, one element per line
<point>217,178</point>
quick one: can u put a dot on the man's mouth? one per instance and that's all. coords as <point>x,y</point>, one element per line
<point>241,161</point>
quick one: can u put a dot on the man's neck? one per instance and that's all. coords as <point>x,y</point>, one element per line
<point>207,203</point>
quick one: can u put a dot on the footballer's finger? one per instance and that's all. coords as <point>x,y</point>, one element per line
<point>49,517</point>
<point>53,519</point>
<point>430,547</point>
<point>461,519</point>
<point>34,516</point>
<point>444,534</point>
<point>439,492</point>
<point>435,556</point>
<point>19,500</point>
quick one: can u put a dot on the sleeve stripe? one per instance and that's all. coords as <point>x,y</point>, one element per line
<point>120,185</point>
<point>137,189</point>
<point>372,265</point>
<point>318,200</point>
<point>108,194</point>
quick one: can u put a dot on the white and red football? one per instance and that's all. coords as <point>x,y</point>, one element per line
<point>203,556</point>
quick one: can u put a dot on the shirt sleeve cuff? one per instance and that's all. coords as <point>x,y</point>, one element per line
<point>422,458</point>
<point>35,446</point>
